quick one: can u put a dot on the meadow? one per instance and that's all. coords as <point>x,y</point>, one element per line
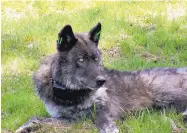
<point>135,35</point>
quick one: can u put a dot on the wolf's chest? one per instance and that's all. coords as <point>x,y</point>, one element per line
<point>69,113</point>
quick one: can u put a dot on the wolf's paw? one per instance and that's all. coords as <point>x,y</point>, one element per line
<point>21,130</point>
<point>110,128</point>
<point>32,125</point>
<point>184,114</point>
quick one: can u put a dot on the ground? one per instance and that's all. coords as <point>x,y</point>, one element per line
<point>135,35</point>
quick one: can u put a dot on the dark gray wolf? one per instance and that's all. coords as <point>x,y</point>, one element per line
<point>71,81</point>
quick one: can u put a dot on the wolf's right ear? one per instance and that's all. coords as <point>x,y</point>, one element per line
<point>95,33</point>
<point>66,39</point>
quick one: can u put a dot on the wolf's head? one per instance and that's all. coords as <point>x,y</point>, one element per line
<point>78,64</point>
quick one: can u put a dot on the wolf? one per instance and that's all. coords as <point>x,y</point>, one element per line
<point>74,79</point>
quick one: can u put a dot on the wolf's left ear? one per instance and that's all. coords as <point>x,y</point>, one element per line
<point>95,33</point>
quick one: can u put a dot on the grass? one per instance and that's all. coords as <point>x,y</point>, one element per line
<point>135,35</point>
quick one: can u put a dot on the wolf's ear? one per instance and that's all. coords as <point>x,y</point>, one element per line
<point>66,39</point>
<point>95,33</point>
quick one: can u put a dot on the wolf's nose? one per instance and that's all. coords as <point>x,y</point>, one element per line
<point>100,81</point>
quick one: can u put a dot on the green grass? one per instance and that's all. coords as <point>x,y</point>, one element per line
<point>135,35</point>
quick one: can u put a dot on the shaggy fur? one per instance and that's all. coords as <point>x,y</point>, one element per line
<point>71,81</point>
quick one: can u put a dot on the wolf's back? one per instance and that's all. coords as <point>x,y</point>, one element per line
<point>168,85</point>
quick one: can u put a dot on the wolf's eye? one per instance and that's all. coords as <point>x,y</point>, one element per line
<point>81,59</point>
<point>96,59</point>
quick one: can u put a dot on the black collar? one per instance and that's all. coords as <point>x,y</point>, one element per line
<point>67,96</point>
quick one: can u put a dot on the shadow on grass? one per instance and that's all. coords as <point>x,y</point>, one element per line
<point>19,101</point>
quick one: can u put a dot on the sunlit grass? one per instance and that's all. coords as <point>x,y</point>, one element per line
<point>135,35</point>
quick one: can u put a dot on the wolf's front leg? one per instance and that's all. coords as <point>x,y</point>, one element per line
<point>104,121</point>
<point>36,123</point>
